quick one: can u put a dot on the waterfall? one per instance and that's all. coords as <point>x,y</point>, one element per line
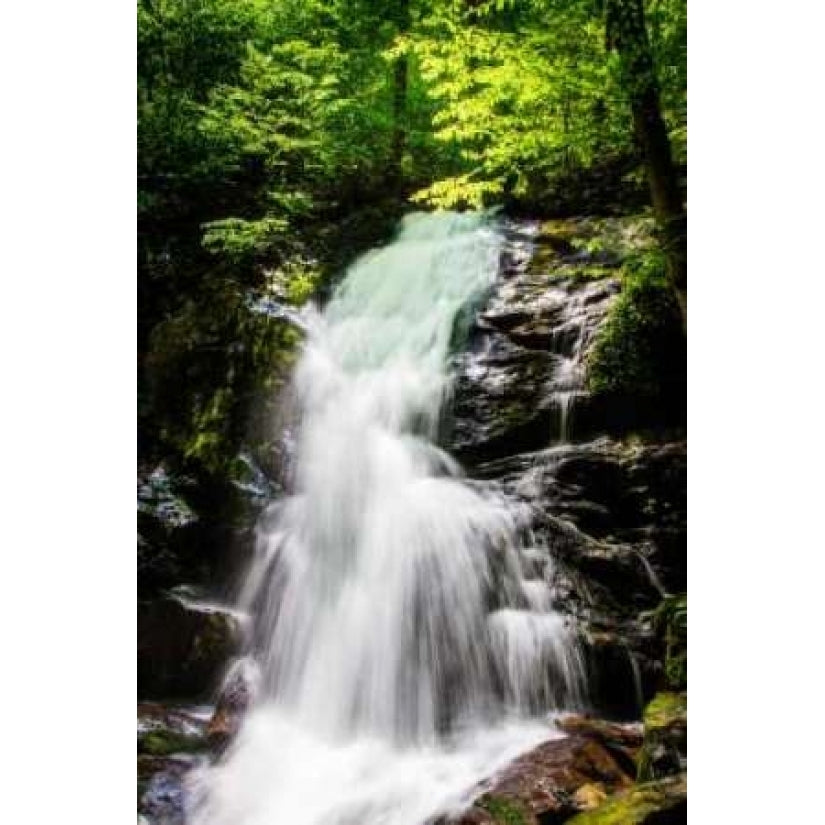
<point>405,639</point>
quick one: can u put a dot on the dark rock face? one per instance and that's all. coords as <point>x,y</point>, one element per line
<point>183,646</point>
<point>608,503</point>
<point>524,367</point>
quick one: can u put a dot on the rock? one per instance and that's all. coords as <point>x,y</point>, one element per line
<point>665,741</point>
<point>235,698</point>
<point>164,729</point>
<point>627,738</point>
<point>663,802</point>
<point>525,357</point>
<point>535,334</point>
<point>508,415</point>
<point>560,777</point>
<point>530,348</point>
<point>612,515</point>
<point>162,791</point>
<point>589,796</point>
<point>183,646</point>
<point>504,320</point>
<point>670,624</point>
<point>171,743</point>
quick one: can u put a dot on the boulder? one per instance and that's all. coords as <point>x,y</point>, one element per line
<point>164,729</point>
<point>183,646</point>
<point>162,790</point>
<point>624,739</point>
<point>560,777</point>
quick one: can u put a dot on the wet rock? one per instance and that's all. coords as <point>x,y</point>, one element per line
<point>613,513</point>
<point>612,516</point>
<point>538,333</point>
<point>183,646</point>
<point>627,487</point>
<point>665,741</point>
<point>663,802</point>
<point>235,698</point>
<point>560,777</point>
<point>509,415</point>
<point>164,729</point>
<point>163,795</point>
<point>626,738</point>
<point>617,567</point>
<point>504,320</point>
<point>524,378</point>
<point>526,356</point>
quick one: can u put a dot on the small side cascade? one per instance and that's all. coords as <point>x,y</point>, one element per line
<point>524,374</point>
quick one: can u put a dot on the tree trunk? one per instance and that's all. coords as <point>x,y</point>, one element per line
<point>399,112</point>
<point>398,140</point>
<point>626,33</point>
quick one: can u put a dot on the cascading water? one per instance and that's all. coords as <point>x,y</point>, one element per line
<point>405,647</point>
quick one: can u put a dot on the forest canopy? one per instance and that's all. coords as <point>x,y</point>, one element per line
<point>256,114</point>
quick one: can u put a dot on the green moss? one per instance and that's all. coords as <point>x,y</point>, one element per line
<point>640,350</point>
<point>543,258</point>
<point>504,811</point>
<point>665,741</point>
<point>664,709</point>
<point>670,624</point>
<point>637,806</point>
<point>165,742</point>
<point>582,272</point>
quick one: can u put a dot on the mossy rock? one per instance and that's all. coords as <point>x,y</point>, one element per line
<point>164,729</point>
<point>568,249</point>
<point>664,751</point>
<point>670,624</point>
<point>544,257</point>
<point>505,811</point>
<point>166,742</point>
<point>588,247</point>
<point>640,350</point>
<point>664,710</point>
<point>558,778</point>
<point>663,802</point>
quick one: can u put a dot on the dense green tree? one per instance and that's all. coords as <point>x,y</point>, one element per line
<point>627,34</point>
<point>530,89</point>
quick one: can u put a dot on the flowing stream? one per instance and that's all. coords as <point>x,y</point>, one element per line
<point>404,651</point>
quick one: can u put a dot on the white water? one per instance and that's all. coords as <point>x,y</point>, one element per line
<point>405,649</point>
